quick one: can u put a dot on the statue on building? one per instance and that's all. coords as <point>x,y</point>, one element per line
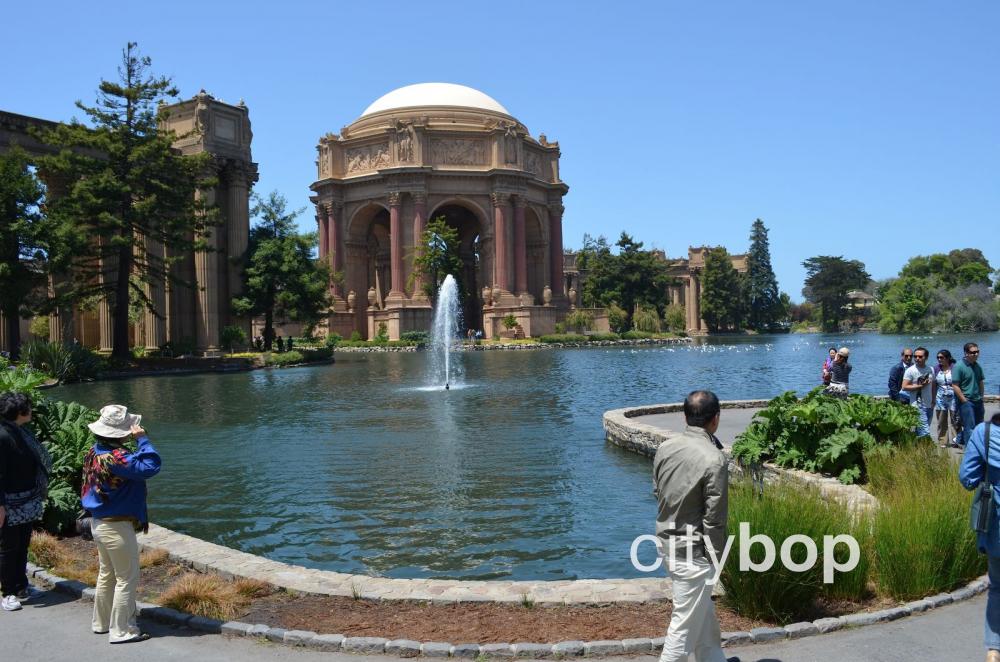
<point>405,137</point>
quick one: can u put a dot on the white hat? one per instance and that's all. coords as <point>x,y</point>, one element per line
<point>115,422</point>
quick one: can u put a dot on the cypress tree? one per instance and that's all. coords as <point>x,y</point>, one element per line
<point>763,298</point>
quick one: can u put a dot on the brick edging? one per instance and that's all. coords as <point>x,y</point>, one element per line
<point>410,648</point>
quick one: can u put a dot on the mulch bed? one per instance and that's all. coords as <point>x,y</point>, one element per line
<point>467,622</point>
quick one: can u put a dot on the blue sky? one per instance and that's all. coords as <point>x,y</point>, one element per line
<point>869,130</point>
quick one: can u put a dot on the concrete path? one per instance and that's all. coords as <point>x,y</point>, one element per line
<point>732,422</point>
<point>56,627</point>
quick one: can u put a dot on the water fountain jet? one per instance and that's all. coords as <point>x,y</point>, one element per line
<point>444,333</point>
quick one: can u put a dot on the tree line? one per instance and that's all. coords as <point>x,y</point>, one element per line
<point>119,193</point>
<point>633,285</point>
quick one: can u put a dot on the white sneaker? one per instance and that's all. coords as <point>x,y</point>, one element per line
<point>10,603</point>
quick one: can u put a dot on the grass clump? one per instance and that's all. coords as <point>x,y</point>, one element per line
<point>637,335</point>
<point>211,595</point>
<point>153,557</point>
<point>921,542</point>
<point>45,550</point>
<point>785,509</point>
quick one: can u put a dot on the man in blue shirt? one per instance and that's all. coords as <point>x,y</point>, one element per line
<point>974,471</point>
<point>969,383</point>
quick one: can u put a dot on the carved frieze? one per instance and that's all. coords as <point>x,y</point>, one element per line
<point>369,157</point>
<point>533,163</point>
<point>458,151</point>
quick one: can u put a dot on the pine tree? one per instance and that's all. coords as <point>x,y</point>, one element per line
<point>282,280</point>
<point>722,292</point>
<point>125,186</point>
<point>439,257</point>
<point>828,280</point>
<point>25,240</point>
<point>764,307</point>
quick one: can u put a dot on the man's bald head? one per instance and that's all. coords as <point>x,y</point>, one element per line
<point>700,407</point>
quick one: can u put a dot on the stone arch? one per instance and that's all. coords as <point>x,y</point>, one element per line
<point>537,247</point>
<point>469,219</point>
<point>368,234</point>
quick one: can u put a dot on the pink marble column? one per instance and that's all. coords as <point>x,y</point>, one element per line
<point>500,238</point>
<point>321,223</point>
<point>334,246</point>
<point>419,225</point>
<point>395,245</point>
<point>520,248</point>
<point>556,248</point>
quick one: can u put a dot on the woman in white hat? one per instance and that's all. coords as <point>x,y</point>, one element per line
<point>114,493</point>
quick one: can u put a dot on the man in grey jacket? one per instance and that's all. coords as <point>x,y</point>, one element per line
<point>691,479</point>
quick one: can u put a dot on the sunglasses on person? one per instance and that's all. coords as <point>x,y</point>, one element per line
<point>973,351</point>
<point>907,356</point>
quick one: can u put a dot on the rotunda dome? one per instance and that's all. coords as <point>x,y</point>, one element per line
<point>435,94</point>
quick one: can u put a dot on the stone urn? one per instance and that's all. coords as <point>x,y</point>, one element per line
<point>496,295</point>
<point>572,297</point>
<point>547,296</point>
<point>371,297</point>
<point>487,294</point>
<point>351,297</point>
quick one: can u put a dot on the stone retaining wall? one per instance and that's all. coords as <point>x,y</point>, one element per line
<point>621,429</point>
<point>205,556</point>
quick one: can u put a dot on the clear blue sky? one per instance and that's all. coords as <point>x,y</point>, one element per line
<point>867,129</point>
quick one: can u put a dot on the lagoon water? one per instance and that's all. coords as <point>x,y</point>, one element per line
<point>357,467</point>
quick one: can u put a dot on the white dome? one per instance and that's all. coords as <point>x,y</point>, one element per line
<point>434,94</point>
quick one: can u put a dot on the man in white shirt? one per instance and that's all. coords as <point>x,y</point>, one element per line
<point>919,383</point>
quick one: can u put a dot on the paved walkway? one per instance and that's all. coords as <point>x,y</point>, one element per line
<point>57,628</point>
<point>731,423</point>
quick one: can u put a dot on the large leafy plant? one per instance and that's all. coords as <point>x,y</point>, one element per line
<point>825,435</point>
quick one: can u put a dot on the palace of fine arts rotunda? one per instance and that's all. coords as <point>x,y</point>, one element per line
<point>439,150</point>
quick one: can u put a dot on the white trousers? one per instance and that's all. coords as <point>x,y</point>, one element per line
<point>694,627</point>
<point>117,580</point>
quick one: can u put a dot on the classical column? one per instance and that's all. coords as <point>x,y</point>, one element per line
<point>500,279</point>
<point>155,322</point>
<point>395,246</point>
<point>321,229</point>
<point>520,248</point>
<point>419,225</point>
<point>689,308</point>
<point>556,248</point>
<point>206,269</point>
<point>109,268</point>
<point>238,224</point>
<point>334,245</point>
<point>699,324</point>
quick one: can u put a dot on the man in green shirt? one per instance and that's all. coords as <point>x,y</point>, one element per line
<point>968,382</point>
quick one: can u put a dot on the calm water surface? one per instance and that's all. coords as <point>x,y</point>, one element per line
<point>356,467</point>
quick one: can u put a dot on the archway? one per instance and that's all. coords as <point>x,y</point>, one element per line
<point>537,249</point>
<point>471,279</point>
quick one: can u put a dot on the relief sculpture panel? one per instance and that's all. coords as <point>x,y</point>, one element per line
<point>533,163</point>
<point>369,157</point>
<point>458,152</point>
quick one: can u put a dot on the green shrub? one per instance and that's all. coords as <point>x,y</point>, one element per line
<point>4,363</point>
<point>822,434</point>
<point>284,358</point>
<point>231,336</point>
<point>39,327</point>
<point>62,427</point>
<point>617,318</point>
<point>21,380</point>
<point>785,509</point>
<point>560,328</point>
<point>675,318</point>
<point>563,338</point>
<point>310,354</point>
<point>636,335</point>
<point>382,336</point>
<point>356,335</point>
<point>646,319</point>
<point>580,320</point>
<point>175,348</point>
<point>419,337</point>
<point>509,322</point>
<point>66,363</point>
<point>332,339</point>
<point>921,541</point>
<point>603,336</point>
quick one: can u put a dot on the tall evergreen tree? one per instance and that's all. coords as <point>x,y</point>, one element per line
<point>125,184</point>
<point>439,257</point>
<point>764,306</point>
<point>281,277</point>
<point>25,239</point>
<point>828,280</point>
<point>722,292</point>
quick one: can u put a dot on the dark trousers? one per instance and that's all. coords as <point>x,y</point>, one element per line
<point>972,414</point>
<point>14,558</point>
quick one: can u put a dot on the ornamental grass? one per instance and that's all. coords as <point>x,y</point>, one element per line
<point>921,543</point>
<point>781,510</point>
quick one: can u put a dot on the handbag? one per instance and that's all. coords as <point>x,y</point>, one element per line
<point>981,511</point>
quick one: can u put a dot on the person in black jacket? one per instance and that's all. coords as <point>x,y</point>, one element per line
<point>24,477</point>
<point>896,377</point>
